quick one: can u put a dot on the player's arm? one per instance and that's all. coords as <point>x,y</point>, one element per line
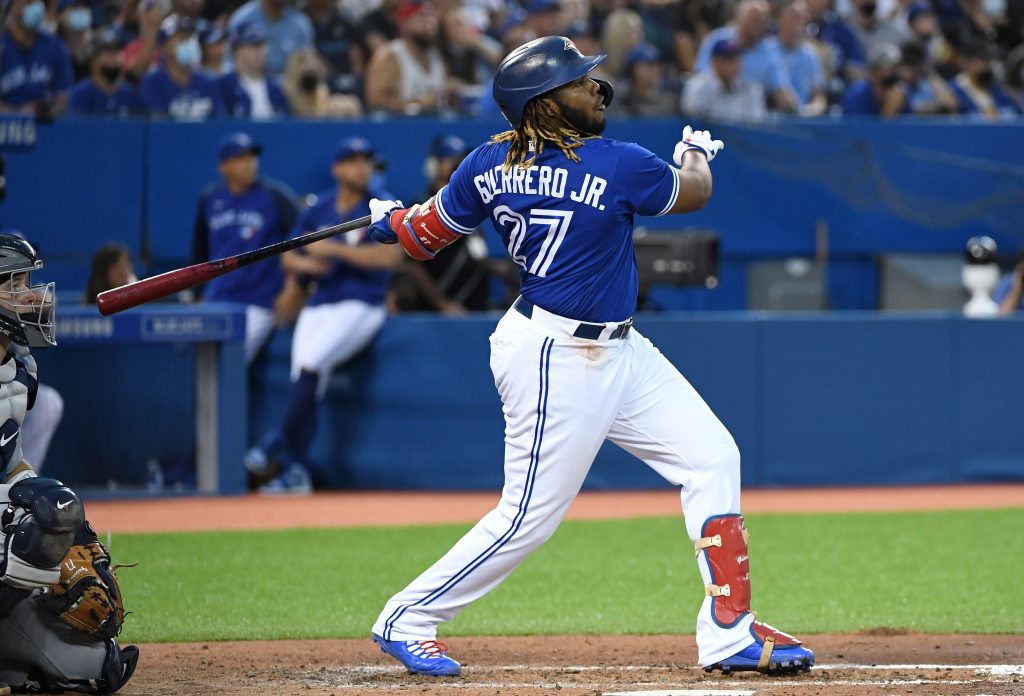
<point>692,155</point>
<point>419,229</point>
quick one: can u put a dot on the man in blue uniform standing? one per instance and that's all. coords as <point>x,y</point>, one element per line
<point>569,367</point>
<point>349,278</point>
<point>244,213</point>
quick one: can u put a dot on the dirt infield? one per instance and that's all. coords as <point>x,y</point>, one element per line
<point>911,665</point>
<point>883,662</point>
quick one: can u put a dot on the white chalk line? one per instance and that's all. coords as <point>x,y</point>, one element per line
<point>995,670</point>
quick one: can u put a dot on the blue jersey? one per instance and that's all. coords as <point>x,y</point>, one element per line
<point>37,74</point>
<point>86,99</point>
<point>343,281</point>
<point>237,103</point>
<point>227,225</point>
<point>568,225</point>
<point>199,100</point>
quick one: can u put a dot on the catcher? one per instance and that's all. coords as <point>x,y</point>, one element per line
<point>60,604</point>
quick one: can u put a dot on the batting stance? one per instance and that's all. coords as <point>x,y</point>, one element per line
<point>60,604</point>
<point>569,366</point>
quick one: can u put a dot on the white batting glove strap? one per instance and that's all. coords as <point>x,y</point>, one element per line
<point>696,140</point>
<point>379,209</point>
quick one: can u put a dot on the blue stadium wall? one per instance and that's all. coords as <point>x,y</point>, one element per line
<point>839,398</point>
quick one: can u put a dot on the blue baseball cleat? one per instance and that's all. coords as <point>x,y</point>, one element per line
<point>421,656</point>
<point>772,652</point>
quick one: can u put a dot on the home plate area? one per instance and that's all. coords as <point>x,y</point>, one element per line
<point>876,663</point>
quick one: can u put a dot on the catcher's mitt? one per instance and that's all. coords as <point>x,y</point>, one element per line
<point>88,597</point>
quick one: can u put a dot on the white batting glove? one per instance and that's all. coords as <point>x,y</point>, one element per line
<point>379,209</point>
<point>696,140</point>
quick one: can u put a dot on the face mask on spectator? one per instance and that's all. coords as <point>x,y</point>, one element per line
<point>984,78</point>
<point>188,53</point>
<point>868,9</point>
<point>79,19</point>
<point>994,8</point>
<point>308,81</point>
<point>32,14</point>
<point>110,73</point>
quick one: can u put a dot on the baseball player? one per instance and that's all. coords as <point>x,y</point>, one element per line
<point>570,368</point>
<point>244,213</point>
<point>40,519</point>
<point>349,278</point>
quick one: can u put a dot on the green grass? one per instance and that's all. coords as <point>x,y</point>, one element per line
<point>932,572</point>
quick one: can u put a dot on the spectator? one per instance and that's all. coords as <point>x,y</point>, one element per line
<point>1010,291</point>
<point>801,60</point>
<point>721,93</point>
<point>761,62</point>
<point>140,52</point>
<point>645,93</point>
<point>870,28</point>
<point>244,213</point>
<point>1014,72</point>
<point>288,30</point>
<point>336,37</point>
<point>215,51</point>
<point>305,86</point>
<point>111,268</point>
<point>344,313</point>
<point>74,27</point>
<point>457,279</point>
<point>177,89</point>
<point>247,91</point>
<point>104,92</point>
<point>883,93</point>
<point>471,57</point>
<point>845,62</point>
<point>543,18</point>
<point>36,72</point>
<point>927,92</point>
<point>408,76</point>
<point>977,88</point>
<point>380,26</point>
<point>623,30</point>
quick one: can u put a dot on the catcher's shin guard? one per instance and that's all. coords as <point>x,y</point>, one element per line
<point>724,543</point>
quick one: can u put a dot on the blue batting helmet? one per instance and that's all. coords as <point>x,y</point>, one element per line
<point>538,67</point>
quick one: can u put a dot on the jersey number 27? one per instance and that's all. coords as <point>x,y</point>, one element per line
<point>557,224</point>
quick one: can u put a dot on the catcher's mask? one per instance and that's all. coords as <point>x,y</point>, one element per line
<point>26,310</point>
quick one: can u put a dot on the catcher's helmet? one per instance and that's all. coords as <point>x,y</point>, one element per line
<point>26,310</point>
<point>538,67</point>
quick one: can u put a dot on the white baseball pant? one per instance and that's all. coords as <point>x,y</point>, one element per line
<point>562,397</point>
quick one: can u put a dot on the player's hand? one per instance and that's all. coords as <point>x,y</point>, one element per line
<point>696,140</point>
<point>380,221</point>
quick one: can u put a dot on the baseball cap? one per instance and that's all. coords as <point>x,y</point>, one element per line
<point>538,6</point>
<point>352,146</point>
<point>726,48</point>
<point>447,146</point>
<point>174,24</point>
<point>213,35</point>
<point>408,9</point>
<point>235,144</point>
<point>918,8</point>
<point>248,33</point>
<point>644,53</point>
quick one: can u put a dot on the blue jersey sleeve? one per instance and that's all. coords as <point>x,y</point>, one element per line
<point>653,184</point>
<point>459,204</point>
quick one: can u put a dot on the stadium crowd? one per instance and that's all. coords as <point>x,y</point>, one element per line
<point>743,60</point>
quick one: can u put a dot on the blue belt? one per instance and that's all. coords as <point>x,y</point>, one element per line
<point>584,330</point>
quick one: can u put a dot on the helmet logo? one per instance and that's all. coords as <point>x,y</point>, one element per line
<point>570,46</point>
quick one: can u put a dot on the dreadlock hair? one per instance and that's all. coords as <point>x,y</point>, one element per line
<point>542,122</point>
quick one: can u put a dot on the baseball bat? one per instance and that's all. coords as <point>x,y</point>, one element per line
<point>149,289</point>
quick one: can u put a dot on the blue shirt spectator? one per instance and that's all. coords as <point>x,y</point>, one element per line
<point>176,89</point>
<point>104,93</point>
<point>848,58</point>
<point>883,93</point>
<point>287,29</point>
<point>36,73</point>
<point>801,60</point>
<point>761,62</point>
<point>247,91</point>
<point>976,88</point>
